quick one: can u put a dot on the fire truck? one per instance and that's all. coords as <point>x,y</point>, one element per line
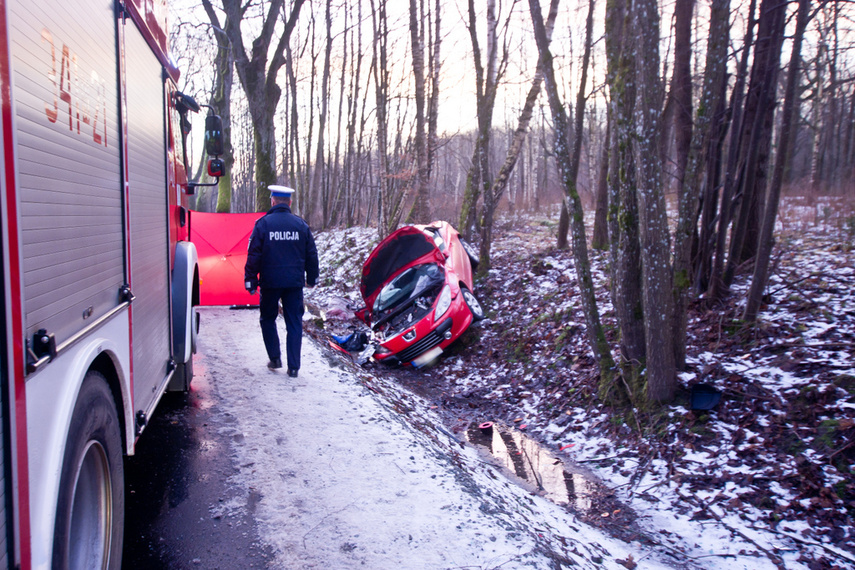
<point>99,280</point>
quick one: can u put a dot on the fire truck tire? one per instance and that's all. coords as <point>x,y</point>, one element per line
<point>90,510</point>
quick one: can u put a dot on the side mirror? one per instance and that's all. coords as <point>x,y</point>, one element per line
<point>216,167</point>
<point>214,136</point>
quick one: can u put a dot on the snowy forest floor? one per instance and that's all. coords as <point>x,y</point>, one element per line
<point>771,466</point>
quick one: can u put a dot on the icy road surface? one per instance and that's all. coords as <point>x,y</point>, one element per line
<point>352,471</point>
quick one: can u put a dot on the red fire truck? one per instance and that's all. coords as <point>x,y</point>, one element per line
<point>98,277</point>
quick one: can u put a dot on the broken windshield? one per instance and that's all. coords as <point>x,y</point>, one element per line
<point>410,284</point>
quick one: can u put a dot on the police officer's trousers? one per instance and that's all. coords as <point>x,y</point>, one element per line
<point>292,312</point>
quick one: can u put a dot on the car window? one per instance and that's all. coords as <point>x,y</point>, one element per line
<point>411,283</point>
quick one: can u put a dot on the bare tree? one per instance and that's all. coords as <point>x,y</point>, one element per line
<point>653,221</point>
<point>757,133</point>
<point>389,201</point>
<point>221,101</point>
<point>717,285</point>
<point>257,71</point>
<point>596,336</point>
<point>494,193</point>
<point>420,210</point>
<point>681,84</point>
<point>624,244</point>
<point>486,84</point>
<point>318,169</point>
<point>764,253</point>
<point>579,117</point>
<point>600,237</point>
<point>350,166</point>
<point>690,181</point>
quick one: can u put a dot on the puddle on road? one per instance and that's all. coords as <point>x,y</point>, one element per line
<point>539,467</point>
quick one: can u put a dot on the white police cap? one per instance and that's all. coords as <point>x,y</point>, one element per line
<point>280,191</point>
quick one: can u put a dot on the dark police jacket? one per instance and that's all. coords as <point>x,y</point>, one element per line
<point>282,250</point>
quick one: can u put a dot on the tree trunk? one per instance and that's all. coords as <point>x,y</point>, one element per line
<point>486,83</point>
<point>434,68</point>
<point>681,85</point>
<point>655,251</point>
<point>717,286</point>
<point>338,187</point>
<point>221,100</point>
<point>295,173</point>
<point>711,186</point>
<point>691,181</point>
<point>761,265</point>
<point>319,167</point>
<point>381,93</point>
<point>625,248</point>
<point>258,79</point>
<point>494,194</point>
<point>580,114</point>
<point>600,239</point>
<point>596,336</point>
<point>420,212</point>
<point>757,129</point>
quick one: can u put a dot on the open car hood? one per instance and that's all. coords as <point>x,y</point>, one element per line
<point>401,248</point>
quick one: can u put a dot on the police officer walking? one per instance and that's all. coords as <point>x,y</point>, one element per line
<point>282,258</point>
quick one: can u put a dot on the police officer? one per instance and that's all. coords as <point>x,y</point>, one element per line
<point>282,258</point>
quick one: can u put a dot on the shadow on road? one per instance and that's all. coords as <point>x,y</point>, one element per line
<point>175,488</point>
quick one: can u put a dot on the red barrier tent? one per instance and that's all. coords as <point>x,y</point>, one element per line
<point>221,241</point>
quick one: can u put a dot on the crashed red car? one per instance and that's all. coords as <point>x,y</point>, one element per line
<point>417,286</point>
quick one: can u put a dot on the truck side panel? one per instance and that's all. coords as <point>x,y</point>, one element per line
<point>149,256</point>
<point>69,169</point>
<point>5,448</point>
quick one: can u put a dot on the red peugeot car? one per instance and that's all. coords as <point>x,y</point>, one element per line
<point>417,287</point>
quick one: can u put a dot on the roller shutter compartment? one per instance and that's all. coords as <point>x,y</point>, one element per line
<point>149,239</point>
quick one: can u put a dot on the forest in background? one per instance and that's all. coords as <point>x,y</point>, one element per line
<point>679,123</point>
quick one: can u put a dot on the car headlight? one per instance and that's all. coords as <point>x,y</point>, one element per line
<point>443,303</point>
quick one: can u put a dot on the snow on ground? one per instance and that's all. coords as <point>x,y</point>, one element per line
<point>763,481</point>
<point>344,470</point>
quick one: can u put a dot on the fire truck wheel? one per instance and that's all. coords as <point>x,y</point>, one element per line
<point>91,503</point>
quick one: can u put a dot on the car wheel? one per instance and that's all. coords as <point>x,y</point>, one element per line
<point>90,510</point>
<point>471,253</point>
<point>474,306</point>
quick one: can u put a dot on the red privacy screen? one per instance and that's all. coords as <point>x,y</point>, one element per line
<point>222,241</point>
